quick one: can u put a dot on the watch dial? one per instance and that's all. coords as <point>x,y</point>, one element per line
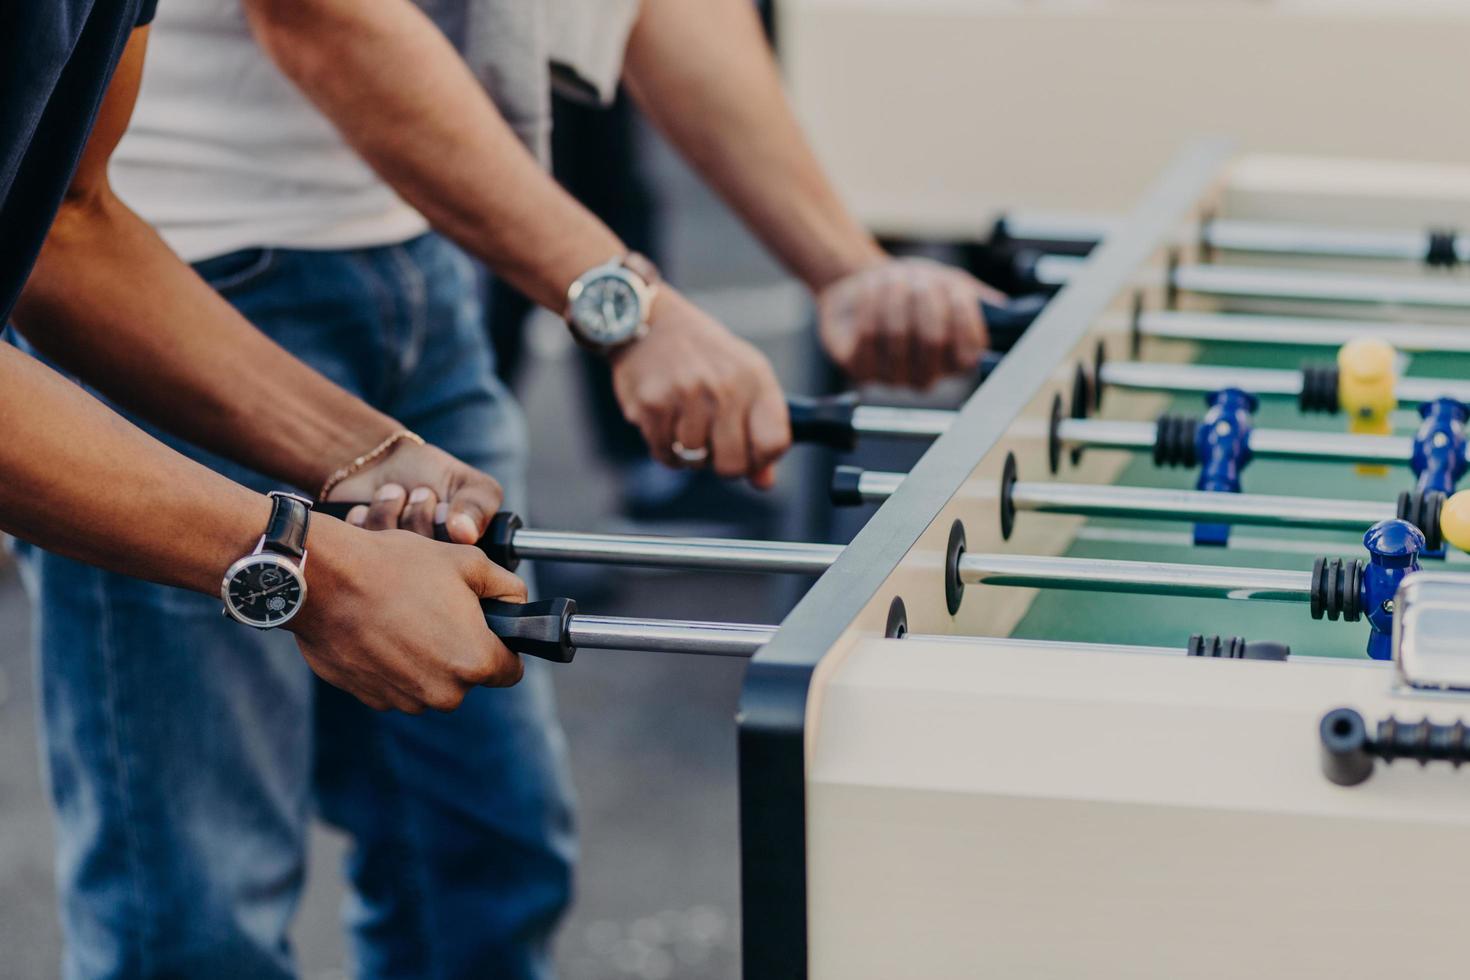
<point>265,593</point>
<point>607,311</point>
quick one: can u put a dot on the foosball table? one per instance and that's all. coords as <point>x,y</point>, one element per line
<point>1155,664</point>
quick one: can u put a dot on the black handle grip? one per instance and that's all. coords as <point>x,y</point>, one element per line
<point>824,421</point>
<point>1006,324</point>
<point>535,629</point>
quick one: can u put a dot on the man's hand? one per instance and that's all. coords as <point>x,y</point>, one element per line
<point>907,321</point>
<point>394,619</point>
<point>691,381</point>
<point>440,490</point>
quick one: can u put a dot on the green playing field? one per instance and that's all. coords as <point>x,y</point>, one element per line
<point>1161,621</point>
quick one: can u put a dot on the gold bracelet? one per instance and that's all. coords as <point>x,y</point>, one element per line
<point>377,452</point>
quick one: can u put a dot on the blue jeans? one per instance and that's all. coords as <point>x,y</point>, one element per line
<point>186,754</point>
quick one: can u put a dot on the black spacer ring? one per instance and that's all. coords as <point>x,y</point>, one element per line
<point>1007,499</point>
<point>1054,436</point>
<point>1081,401</point>
<point>954,589</point>
<point>1135,328</point>
<point>1353,601</point>
<point>1099,358</point>
<point>1319,579</point>
<point>1430,507</point>
<point>1333,599</point>
<point>898,620</point>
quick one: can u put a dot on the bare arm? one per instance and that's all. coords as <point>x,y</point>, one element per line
<point>109,301</point>
<point>84,483</point>
<point>704,74</point>
<point>400,94</point>
<point>393,618</point>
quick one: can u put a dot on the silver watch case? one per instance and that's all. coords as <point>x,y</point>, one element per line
<point>642,290</point>
<point>261,556</point>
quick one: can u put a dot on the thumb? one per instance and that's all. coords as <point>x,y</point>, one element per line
<point>471,508</point>
<point>488,580</point>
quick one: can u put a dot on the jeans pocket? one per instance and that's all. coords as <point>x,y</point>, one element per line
<point>236,269</point>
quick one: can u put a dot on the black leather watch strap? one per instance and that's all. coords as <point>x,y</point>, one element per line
<point>286,532</point>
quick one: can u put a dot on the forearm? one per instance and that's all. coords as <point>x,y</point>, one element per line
<point>704,74</point>
<point>78,480</point>
<point>400,94</point>
<point>111,303</point>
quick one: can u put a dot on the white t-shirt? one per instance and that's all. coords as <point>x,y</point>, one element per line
<point>225,153</point>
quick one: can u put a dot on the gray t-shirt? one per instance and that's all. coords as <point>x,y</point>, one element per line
<point>225,153</point>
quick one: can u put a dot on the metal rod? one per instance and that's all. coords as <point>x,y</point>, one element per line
<point>1264,443</point>
<point>876,487</point>
<point>1346,243</point>
<point>1195,506</point>
<point>668,636</point>
<point>1233,235</point>
<point>1136,577</point>
<point>1332,287</point>
<point>708,554</point>
<point>917,423</point>
<point>1256,283</point>
<point>1249,328</point>
<point>1199,379</point>
<point>1264,382</point>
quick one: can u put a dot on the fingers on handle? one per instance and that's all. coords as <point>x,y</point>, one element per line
<point>471,508</point>
<point>487,579</point>
<point>387,507</point>
<point>692,430</point>
<point>418,513</point>
<point>895,348</point>
<point>971,339</point>
<point>730,442</point>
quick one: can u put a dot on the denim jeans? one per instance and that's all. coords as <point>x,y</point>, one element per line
<point>186,754</point>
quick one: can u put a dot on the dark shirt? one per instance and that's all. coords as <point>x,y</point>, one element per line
<point>56,58</point>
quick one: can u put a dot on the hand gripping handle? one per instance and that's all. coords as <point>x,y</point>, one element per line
<point>498,542</point>
<point>535,629</point>
<point>1007,323</point>
<point>824,421</point>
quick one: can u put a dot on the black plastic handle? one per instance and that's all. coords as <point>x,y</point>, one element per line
<point>1006,324</point>
<point>824,421</point>
<point>534,629</point>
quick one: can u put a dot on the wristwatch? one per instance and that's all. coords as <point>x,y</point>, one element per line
<point>608,306</point>
<point>267,587</point>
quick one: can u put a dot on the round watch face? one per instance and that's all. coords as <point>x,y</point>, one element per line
<point>263,590</point>
<point>608,310</point>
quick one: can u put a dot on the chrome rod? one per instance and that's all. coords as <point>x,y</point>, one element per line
<point>1261,237</point>
<point>668,636</point>
<point>1271,238</point>
<point>1338,447</point>
<point>876,487</point>
<point>1332,287</point>
<point>1107,434</point>
<point>1135,577</point>
<point>1262,510</point>
<point>1199,379</point>
<point>1264,382</point>
<point>708,554</point>
<point>1250,328</point>
<point>917,423</point>
<point>1242,281</point>
<point>1264,443</point>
